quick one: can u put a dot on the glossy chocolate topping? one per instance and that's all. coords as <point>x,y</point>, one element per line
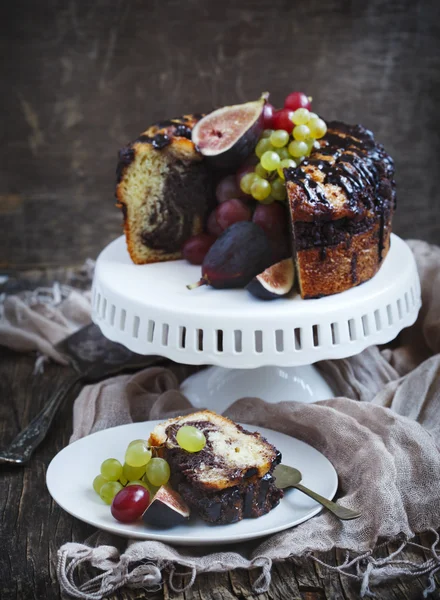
<point>349,158</point>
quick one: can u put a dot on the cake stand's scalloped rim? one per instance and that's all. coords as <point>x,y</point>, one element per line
<point>148,309</point>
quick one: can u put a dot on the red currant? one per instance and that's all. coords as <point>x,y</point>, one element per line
<point>282,119</point>
<point>297,100</point>
<point>268,112</point>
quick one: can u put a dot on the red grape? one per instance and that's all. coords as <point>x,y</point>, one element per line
<point>282,119</point>
<point>130,503</point>
<point>227,188</point>
<point>197,246</point>
<point>268,112</point>
<point>272,218</point>
<point>212,226</point>
<point>297,100</point>
<point>232,211</point>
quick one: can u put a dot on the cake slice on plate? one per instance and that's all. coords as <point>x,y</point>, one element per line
<point>230,478</point>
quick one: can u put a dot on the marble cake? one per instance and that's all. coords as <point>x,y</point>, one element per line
<point>230,478</point>
<point>341,202</point>
<point>163,188</point>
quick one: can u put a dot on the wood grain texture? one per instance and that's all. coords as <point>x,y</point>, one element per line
<point>80,79</point>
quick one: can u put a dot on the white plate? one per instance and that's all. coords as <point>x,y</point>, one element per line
<point>70,475</point>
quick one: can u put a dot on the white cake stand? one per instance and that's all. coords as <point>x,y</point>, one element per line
<point>263,349</point>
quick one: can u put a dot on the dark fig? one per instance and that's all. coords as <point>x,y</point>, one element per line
<point>227,136</point>
<point>240,253</point>
<point>167,509</point>
<point>275,282</point>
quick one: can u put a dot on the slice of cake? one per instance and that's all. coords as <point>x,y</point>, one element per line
<point>163,188</point>
<point>341,201</point>
<point>230,478</point>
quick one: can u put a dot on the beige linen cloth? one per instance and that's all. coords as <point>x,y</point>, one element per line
<point>382,434</point>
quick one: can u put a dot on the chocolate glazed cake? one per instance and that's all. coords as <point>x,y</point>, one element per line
<point>163,188</point>
<point>341,202</point>
<point>230,478</point>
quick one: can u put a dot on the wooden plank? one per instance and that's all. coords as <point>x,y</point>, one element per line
<point>84,78</point>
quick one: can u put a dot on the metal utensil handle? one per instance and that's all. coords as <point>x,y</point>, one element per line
<point>22,447</point>
<point>336,509</point>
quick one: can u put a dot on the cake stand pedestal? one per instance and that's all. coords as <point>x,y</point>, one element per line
<point>258,348</point>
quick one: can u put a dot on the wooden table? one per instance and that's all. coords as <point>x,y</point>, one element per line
<point>33,527</point>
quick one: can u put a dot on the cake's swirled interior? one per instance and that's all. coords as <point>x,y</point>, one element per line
<point>231,454</point>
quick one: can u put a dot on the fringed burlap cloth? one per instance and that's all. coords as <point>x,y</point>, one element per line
<point>382,435</point>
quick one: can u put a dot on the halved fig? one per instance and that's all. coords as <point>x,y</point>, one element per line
<point>227,136</point>
<point>167,509</point>
<point>275,282</point>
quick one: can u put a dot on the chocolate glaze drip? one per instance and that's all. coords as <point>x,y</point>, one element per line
<point>158,141</point>
<point>360,167</point>
<point>178,127</point>
<point>125,157</point>
<point>183,131</point>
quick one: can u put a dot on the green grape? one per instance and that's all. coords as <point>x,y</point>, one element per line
<point>153,488</point>
<point>109,490</point>
<point>263,146</point>
<point>309,143</point>
<point>297,148</point>
<point>301,132</point>
<point>260,189</point>
<point>267,133</point>
<point>318,128</point>
<point>190,438</point>
<point>270,160</point>
<point>98,482</point>
<point>158,471</point>
<point>313,115</point>
<point>260,171</point>
<point>288,163</point>
<point>269,200</point>
<point>132,473</point>
<point>246,182</point>
<point>301,116</point>
<point>283,153</point>
<point>279,191</point>
<point>111,469</point>
<point>138,454</point>
<point>133,442</point>
<point>279,138</point>
<point>138,482</point>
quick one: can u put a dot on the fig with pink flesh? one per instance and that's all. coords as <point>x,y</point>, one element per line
<point>239,254</point>
<point>227,136</point>
<point>275,282</point>
<point>167,509</point>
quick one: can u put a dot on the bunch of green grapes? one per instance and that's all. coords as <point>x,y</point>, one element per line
<point>279,150</point>
<point>139,468</point>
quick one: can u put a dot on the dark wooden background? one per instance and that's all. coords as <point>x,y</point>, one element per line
<point>80,78</point>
